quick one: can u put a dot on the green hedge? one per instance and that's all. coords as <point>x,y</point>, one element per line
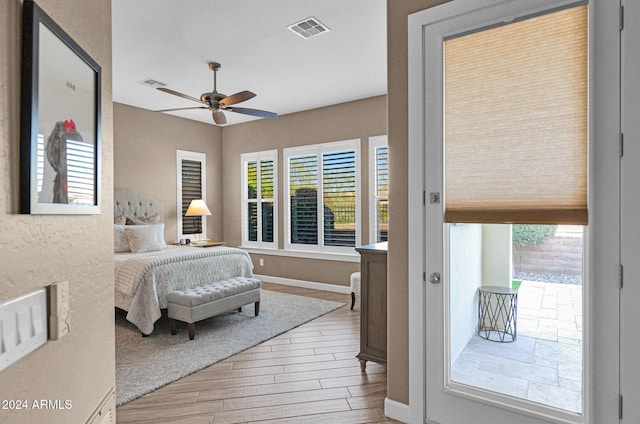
<point>529,234</point>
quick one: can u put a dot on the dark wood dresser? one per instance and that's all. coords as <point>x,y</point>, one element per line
<point>373,304</point>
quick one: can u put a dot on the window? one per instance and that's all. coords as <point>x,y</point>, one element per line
<point>379,186</point>
<point>191,183</point>
<point>80,172</point>
<point>323,184</point>
<point>259,207</point>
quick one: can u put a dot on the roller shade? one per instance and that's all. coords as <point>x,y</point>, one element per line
<point>516,122</point>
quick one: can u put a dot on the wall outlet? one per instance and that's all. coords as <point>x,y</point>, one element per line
<point>58,310</point>
<point>261,262</point>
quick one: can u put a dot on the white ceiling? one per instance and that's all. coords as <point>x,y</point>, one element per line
<point>173,40</point>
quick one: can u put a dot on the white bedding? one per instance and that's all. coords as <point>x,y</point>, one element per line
<point>142,280</point>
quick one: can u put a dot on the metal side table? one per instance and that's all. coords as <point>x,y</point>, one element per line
<point>497,313</point>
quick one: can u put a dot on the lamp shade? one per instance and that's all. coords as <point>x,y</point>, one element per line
<point>197,207</point>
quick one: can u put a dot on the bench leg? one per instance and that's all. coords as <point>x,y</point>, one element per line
<point>192,330</point>
<point>257,307</point>
<point>353,300</point>
<point>172,326</point>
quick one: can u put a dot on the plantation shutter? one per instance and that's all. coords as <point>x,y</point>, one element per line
<point>382,193</point>
<point>303,183</point>
<point>267,199</point>
<point>339,193</point>
<point>516,128</point>
<point>191,189</point>
<point>80,172</point>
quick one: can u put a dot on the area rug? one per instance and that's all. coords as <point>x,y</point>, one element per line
<point>144,364</point>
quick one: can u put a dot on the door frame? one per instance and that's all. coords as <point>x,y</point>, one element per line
<point>604,250</point>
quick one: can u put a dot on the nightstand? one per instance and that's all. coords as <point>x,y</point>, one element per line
<point>208,243</point>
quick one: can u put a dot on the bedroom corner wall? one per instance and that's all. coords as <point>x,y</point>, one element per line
<point>145,145</point>
<point>397,85</point>
<point>358,119</point>
<point>37,250</point>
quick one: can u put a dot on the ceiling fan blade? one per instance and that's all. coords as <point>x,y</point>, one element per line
<point>237,98</point>
<point>181,108</point>
<point>253,112</point>
<point>218,117</point>
<point>176,93</point>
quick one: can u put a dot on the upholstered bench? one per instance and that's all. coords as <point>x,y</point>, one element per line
<point>194,304</point>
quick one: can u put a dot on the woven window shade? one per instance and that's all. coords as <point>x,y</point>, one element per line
<point>516,124</point>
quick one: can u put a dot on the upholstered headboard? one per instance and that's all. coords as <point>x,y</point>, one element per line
<point>135,204</point>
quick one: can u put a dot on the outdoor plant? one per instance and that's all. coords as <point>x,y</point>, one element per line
<point>530,234</point>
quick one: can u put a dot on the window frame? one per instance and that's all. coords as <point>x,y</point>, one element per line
<point>318,150</point>
<point>196,157</point>
<point>257,157</point>
<point>375,143</point>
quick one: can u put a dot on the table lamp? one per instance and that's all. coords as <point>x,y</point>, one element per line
<point>198,207</point>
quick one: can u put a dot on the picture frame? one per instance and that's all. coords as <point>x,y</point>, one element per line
<point>60,131</point>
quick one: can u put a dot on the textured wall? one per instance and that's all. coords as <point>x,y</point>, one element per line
<point>155,137</point>
<point>38,250</point>
<point>353,120</point>
<point>397,71</point>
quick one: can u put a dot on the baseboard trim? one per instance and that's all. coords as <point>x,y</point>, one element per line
<point>305,284</point>
<point>396,410</point>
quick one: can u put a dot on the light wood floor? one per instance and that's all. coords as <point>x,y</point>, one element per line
<point>306,375</point>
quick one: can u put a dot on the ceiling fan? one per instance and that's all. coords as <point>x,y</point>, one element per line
<point>218,102</point>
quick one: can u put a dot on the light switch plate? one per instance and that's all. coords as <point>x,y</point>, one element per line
<point>21,326</point>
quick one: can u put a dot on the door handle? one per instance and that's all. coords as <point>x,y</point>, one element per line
<point>434,278</point>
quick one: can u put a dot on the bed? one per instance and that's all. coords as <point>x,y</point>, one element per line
<point>144,278</point>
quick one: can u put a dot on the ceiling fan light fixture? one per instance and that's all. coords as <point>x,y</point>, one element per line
<point>309,27</point>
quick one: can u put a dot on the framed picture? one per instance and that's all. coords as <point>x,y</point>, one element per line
<point>60,125</point>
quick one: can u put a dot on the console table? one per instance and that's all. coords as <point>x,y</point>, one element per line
<point>373,304</point>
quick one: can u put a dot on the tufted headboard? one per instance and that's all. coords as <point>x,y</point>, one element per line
<point>135,204</point>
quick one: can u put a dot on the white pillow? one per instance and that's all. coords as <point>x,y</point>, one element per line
<point>120,242</point>
<point>145,238</point>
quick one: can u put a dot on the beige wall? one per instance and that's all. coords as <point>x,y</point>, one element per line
<point>359,119</point>
<point>144,156</point>
<point>397,69</point>
<point>38,250</point>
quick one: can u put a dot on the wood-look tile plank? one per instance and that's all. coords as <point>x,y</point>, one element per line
<point>196,386</point>
<point>321,365</point>
<point>313,345</point>
<point>153,399</point>
<point>205,375</point>
<point>271,355</point>
<point>368,389</point>
<point>284,398</point>
<point>166,411</point>
<point>281,411</point>
<point>327,373</point>
<point>353,380</point>
<point>350,350</point>
<point>191,419</point>
<point>364,402</point>
<point>282,361</point>
<point>374,415</point>
<point>258,390</point>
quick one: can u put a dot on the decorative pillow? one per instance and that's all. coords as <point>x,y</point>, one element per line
<point>120,220</point>
<point>120,242</point>
<point>145,238</point>
<point>142,220</point>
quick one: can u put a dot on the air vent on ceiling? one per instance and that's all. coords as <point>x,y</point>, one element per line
<point>150,82</point>
<point>309,27</point>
